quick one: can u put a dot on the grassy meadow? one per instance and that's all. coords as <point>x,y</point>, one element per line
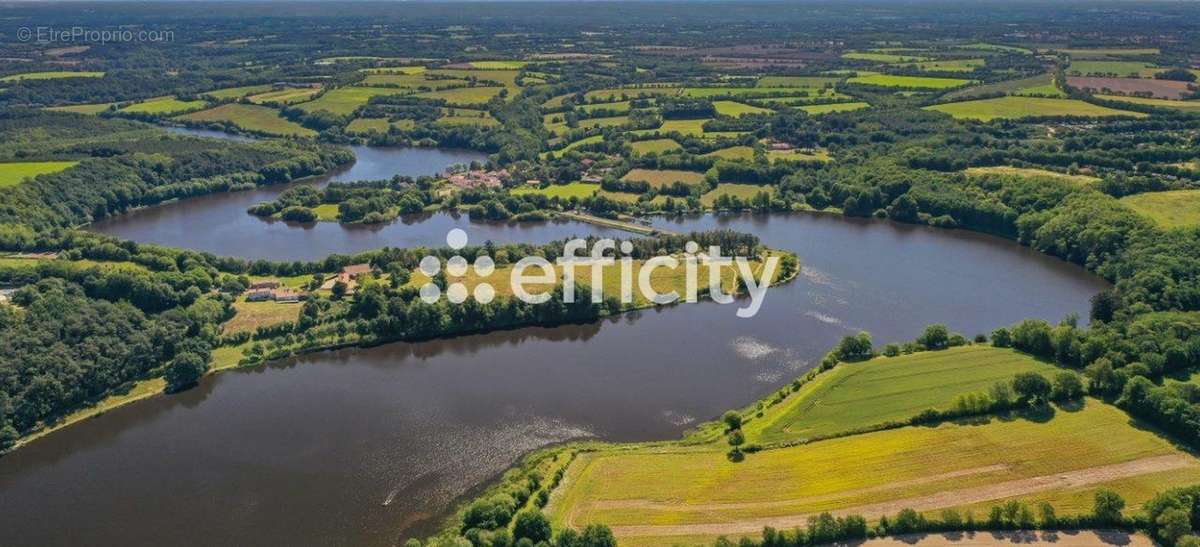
<point>742,191</point>
<point>14,173</point>
<point>735,109</point>
<point>1032,173</point>
<point>163,106</point>
<point>917,82</point>
<point>51,75</point>
<point>1173,209</point>
<point>1011,108</point>
<point>658,178</point>
<point>657,495</point>
<point>818,109</point>
<point>258,119</point>
<point>1186,106</point>
<point>345,100</point>
<point>655,146</point>
<point>886,389</point>
<point>578,190</point>
<point>251,315</point>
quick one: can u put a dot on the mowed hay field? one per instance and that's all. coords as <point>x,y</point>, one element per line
<point>49,75</point>
<point>658,178</point>
<point>742,191</point>
<point>656,496</point>
<point>735,109</point>
<point>564,191</point>
<point>163,106</point>
<point>1027,107</point>
<point>1030,173</point>
<point>1173,209</point>
<point>251,315</point>
<point>853,396</point>
<point>12,174</point>
<point>655,146</point>
<point>920,82</point>
<point>1187,106</point>
<point>346,100</point>
<point>253,118</point>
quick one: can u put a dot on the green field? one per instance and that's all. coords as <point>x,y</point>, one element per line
<point>12,174</point>
<point>817,95</point>
<point>578,190</point>
<point>287,95</point>
<point>883,57</point>
<point>467,96</point>
<point>83,108</point>
<point>377,125</point>
<point>1112,68</point>
<point>395,70</point>
<point>655,146</point>
<point>887,389</point>
<point>918,82</point>
<point>1092,53</point>
<point>619,106</point>
<point>622,93</point>
<point>741,191</point>
<point>498,65</point>
<point>816,109</point>
<point>1026,107</point>
<point>735,109</point>
<point>594,139</point>
<point>742,153</point>
<point>560,127</point>
<point>238,92</point>
<point>411,81</point>
<point>252,315</point>
<point>164,106</point>
<point>258,119</point>
<point>1042,85</point>
<point>1187,106</point>
<point>797,81</point>
<point>657,178</point>
<point>467,116</point>
<point>345,100</point>
<point>49,75</point>
<point>798,155</point>
<point>658,495</point>
<point>705,92</point>
<point>955,65</point>
<point>1173,209</point>
<point>1083,180</point>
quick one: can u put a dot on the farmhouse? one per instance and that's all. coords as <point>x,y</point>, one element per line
<point>285,295</point>
<point>259,295</point>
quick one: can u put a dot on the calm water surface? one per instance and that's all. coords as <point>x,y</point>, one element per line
<point>366,447</point>
<point>219,223</point>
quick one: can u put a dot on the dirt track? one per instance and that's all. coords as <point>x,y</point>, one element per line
<point>939,500</point>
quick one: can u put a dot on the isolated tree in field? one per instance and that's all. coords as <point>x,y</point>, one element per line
<point>736,438</point>
<point>1001,338</point>
<point>1067,386</point>
<point>185,370</point>
<point>1031,387</point>
<point>935,337</point>
<point>732,420</point>
<point>531,524</point>
<point>1108,506</point>
<point>597,535</point>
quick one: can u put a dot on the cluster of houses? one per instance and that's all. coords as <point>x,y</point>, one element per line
<point>478,178</point>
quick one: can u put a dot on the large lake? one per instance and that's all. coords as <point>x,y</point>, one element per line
<point>365,447</point>
<point>219,223</point>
